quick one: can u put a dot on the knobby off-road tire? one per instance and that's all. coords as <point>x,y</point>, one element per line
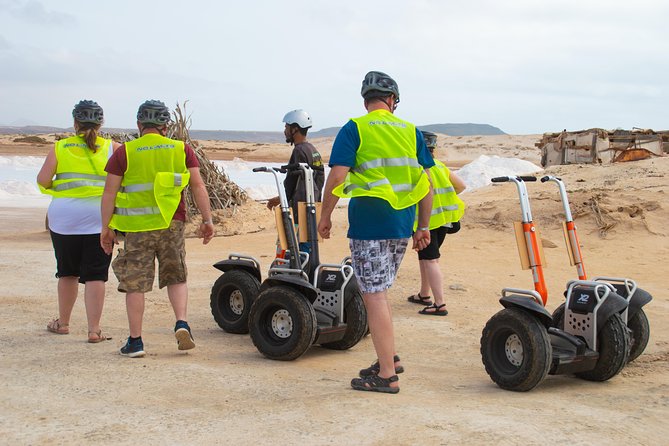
<point>516,350</point>
<point>640,333</point>
<point>355,316</point>
<point>282,323</point>
<point>231,298</point>
<point>612,345</point>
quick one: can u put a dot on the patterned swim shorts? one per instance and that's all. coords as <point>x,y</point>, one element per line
<point>376,262</point>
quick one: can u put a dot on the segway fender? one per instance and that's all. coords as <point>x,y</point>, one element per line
<point>530,305</point>
<point>246,265</point>
<point>638,299</point>
<point>614,303</point>
<point>293,281</point>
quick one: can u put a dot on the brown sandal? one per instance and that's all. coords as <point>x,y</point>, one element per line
<point>96,336</point>
<point>55,326</point>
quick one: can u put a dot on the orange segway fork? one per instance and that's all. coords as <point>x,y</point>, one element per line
<point>532,244</point>
<point>573,245</point>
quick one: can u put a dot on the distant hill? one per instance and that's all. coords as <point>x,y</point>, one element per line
<point>266,137</point>
<point>462,129</point>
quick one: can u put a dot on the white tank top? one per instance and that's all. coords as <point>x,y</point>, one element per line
<point>76,216</point>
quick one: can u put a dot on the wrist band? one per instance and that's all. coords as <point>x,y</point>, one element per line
<point>208,222</point>
<point>424,228</point>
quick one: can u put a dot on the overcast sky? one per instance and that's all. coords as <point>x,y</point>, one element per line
<point>525,66</point>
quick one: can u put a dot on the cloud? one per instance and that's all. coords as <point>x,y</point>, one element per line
<point>34,12</point>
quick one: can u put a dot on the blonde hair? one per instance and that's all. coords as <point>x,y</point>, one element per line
<point>88,131</point>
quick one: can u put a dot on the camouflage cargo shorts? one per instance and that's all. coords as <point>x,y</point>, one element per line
<point>134,266</point>
<point>376,262</point>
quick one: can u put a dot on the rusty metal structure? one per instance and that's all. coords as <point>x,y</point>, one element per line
<point>601,146</point>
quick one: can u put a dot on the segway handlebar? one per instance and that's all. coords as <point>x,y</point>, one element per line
<point>265,169</point>
<point>550,178</point>
<point>296,167</point>
<point>516,178</point>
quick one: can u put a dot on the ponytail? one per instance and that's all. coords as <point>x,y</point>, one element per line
<point>89,132</point>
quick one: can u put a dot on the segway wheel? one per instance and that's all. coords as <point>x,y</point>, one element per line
<point>282,323</point>
<point>613,344</point>
<point>516,350</point>
<point>231,299</point>
<point>640,328</point>
<point>355,316</point>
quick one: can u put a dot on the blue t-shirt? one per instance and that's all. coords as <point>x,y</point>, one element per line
<point>372,218</point>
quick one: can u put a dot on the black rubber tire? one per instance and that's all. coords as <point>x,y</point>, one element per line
<point>282,323</point>
<point>507,366</point>
<point>640,333</point>
<point>231,298</point>
<point>355,316</point>
<point>613,346</point>
<point>639,330</point>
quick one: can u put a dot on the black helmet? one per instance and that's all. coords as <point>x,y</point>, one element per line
<point>153,112</point>
<point>88,111</point>
<point>379,85</point>
<point>430,139</point>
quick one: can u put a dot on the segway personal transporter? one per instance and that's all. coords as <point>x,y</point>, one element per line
<point>633,316</point>
<point>235,290</point>
<point>301,302</point>
<point>520,344</point>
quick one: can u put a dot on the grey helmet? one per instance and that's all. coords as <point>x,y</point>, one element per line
<point>88,111</point>
<point>298,117</point>
<point>430,139</point>
<point>378,85</point>
<point>153,112</point>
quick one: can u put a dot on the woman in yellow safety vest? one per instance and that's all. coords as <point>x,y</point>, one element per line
<point>74,174</point>
<point>447,209</point>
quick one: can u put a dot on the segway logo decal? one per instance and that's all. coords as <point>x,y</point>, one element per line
<point>331,278</point>
<point>583,299</point>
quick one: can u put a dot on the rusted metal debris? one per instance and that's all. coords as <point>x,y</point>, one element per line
<point>601,146</point>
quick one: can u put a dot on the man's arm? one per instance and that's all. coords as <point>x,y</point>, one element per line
<point>335,178</point>
<point>201,197</point>
<point>421,238</point>
<point>107,235</point>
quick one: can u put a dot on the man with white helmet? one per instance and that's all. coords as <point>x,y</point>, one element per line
<point>297,124</point>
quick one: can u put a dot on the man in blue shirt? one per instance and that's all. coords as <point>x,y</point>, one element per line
<point>379,161</point>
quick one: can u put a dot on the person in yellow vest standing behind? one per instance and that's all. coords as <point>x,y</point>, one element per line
<point>143,198</point>
<point>379,161</point>
<point>447,209</point>
<point>74,174</point>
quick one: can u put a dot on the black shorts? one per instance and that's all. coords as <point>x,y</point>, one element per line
<point>80,256</point>
<point>431,252</point>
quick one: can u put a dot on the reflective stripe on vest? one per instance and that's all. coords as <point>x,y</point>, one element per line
<point>386,164</point>
<point>152,184</point>
<point>447,207</point>
<point>80,172</point>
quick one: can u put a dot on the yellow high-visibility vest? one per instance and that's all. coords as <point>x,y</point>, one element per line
<point>386,165</point>
<point>152,184</point>
<point>80,172</point>
<point>447,207</point>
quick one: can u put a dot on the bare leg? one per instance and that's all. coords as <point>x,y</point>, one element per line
<point>134,303</point>
<point>424,279</point>
<point>381,328</point>
<point>435,279</point>
<point>94,297</point>
<point>178,294</point>
<point>68,288</point>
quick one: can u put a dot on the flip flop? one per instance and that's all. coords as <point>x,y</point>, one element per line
<point>418,299</point>
<point>437,310</point>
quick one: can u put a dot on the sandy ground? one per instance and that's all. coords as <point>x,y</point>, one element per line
<point>61,390</point>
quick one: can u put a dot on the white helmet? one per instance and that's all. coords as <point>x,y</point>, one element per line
<point>299,117</point>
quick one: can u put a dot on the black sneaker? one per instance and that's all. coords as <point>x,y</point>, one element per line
<point>133,348</point>
<point>184,337</point>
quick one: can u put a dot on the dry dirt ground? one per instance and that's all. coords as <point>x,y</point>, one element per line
<point>61,390</point>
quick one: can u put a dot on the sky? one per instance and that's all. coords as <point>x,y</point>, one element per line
<point>525,66</point>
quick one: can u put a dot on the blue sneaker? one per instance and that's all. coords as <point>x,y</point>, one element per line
<point>184,337</point>
<point>133,349</point>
